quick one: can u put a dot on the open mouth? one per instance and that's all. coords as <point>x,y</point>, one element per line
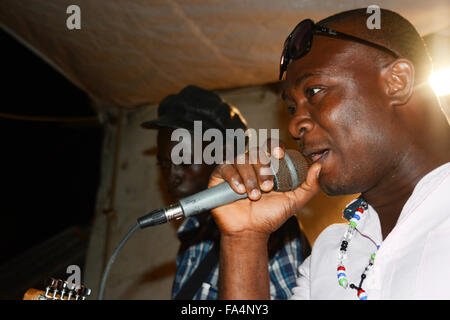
<point>319,155</point>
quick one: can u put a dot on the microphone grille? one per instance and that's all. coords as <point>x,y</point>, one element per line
<point>291,172</point>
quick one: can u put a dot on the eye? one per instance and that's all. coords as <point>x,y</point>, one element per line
<point>312,91</point>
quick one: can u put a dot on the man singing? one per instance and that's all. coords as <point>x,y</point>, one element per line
<point>367,119</point>
<point>198,258</point>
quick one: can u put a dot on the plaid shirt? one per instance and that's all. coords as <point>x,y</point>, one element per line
<point>287,249</point>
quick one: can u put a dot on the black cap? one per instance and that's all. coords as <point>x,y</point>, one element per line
<point>196,104</point>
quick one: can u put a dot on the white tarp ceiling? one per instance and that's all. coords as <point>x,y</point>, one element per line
<point>133,52</point>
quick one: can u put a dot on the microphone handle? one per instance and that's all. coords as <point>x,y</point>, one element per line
<point>209,199</point>
<point>190,206</point>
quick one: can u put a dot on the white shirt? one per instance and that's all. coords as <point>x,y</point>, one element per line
<point>413,262</point>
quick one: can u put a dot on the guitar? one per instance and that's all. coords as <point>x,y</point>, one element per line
<point>58,290</point>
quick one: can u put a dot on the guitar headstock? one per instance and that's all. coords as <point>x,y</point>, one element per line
<point>57,289</point>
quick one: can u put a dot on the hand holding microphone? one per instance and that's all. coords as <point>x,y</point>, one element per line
<point>265,210</point>
<point>245,225</point>
<point>254,172</point>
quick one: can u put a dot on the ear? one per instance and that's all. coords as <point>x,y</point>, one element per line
<point>398,78</point>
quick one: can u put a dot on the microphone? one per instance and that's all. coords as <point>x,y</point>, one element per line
<point>291,173</point>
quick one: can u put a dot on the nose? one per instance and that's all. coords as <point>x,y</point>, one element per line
<point>300,124</point>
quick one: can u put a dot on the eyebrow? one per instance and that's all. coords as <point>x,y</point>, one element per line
<point>305,76</point>
<point>299,81</point>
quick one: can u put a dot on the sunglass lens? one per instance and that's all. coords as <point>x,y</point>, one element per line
<point>297,44</point>
<point>301,38</point>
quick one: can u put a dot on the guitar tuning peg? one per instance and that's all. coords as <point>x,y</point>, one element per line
<point>79,292</point>
<point>87,293</point>
<point>54,285</point>
<point>51,282</point>
<point>82,292</point>
<point>52,288</point>
<point>48,287</point>
<point>64,289</point>
<point>58,284</point>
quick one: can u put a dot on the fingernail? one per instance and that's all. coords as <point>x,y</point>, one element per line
<point>254,193</point>
<point>277,152</point>
<point>238,185</point>
<point>267,185</point>
<point>265,171</point>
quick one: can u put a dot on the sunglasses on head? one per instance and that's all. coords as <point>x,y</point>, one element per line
<point>299,42</point>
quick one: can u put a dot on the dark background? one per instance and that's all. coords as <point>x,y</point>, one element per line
<point>49,171</point>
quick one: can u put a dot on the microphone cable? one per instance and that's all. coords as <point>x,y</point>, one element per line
<point>112,258</point>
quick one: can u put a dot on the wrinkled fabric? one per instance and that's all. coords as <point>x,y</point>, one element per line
<point>412,262</point>
<point>134,52</point>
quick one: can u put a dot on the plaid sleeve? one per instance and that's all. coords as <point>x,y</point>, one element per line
<point>286,253</point>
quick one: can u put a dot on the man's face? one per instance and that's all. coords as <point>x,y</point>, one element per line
<point>181,180</point>
<point>340,114</point>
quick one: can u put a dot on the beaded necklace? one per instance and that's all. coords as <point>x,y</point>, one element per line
<point>354,216</point>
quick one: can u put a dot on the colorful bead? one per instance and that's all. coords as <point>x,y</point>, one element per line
<point>349,233</point>
<point>354,217</point>
<point>364,205</point>
<point>362,295</point>
<point>343,282</point>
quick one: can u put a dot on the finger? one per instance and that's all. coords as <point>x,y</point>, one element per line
<point>261,166</point>
<point>249,178</point>
<point>275,148</point>
<point>228,173</point>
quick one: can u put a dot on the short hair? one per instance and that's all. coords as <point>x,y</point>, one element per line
<point>396,33</point>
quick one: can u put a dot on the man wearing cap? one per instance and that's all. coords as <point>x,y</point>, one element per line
<point>366,117</point>
<point>197,262</point>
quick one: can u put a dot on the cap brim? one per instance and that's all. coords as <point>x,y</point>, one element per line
<point>176,123</point>
<point>167,122</point>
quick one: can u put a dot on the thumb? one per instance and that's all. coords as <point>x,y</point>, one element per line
<point>308,189</point>
<point>311,184</point>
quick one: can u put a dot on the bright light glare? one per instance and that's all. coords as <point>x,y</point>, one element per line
<point>440,82</point>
